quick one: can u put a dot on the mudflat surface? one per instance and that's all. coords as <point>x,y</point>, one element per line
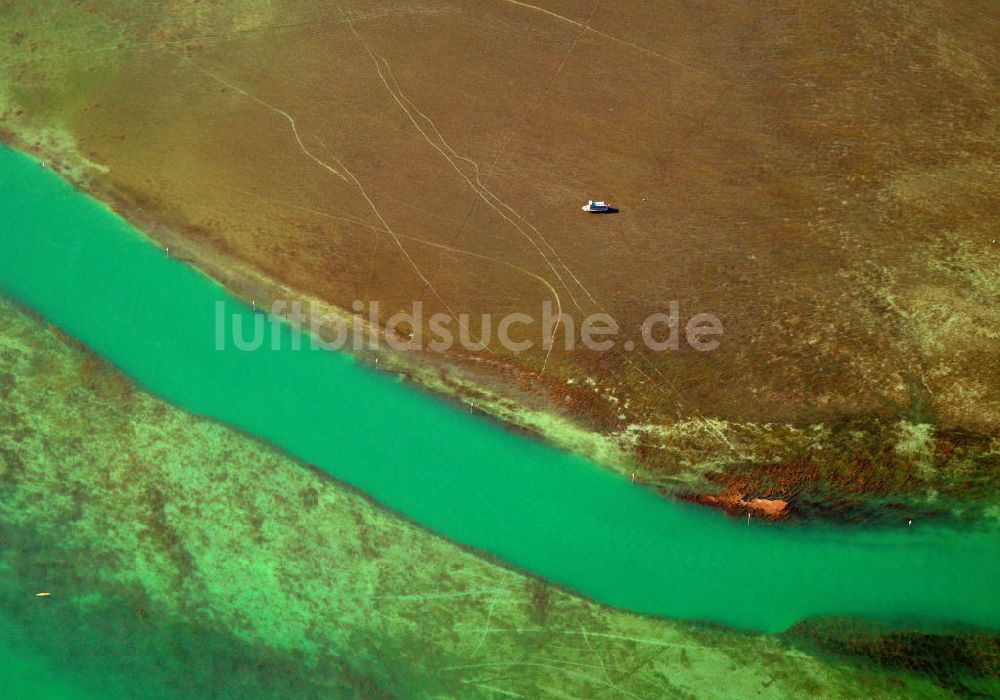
<point>821,176</point>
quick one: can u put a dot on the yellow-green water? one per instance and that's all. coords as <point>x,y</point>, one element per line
<point>553,514</point>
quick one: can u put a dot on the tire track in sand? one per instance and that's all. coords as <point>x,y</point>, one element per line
<point>612,38</point>
<point>422,241</point>
<point>451,156</point>
<point>350,177</point>
<point>494,202</point>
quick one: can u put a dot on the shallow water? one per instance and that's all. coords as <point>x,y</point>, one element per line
<point>90,273</point>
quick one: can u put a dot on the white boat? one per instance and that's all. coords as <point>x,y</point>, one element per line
<point>595,206</point>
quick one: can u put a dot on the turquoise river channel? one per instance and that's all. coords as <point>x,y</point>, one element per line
<point>555,515</point>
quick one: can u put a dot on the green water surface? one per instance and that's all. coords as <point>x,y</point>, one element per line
<point>86,270</point>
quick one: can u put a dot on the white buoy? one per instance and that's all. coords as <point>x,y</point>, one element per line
<point>748,518</point>
<point>633,477</point>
